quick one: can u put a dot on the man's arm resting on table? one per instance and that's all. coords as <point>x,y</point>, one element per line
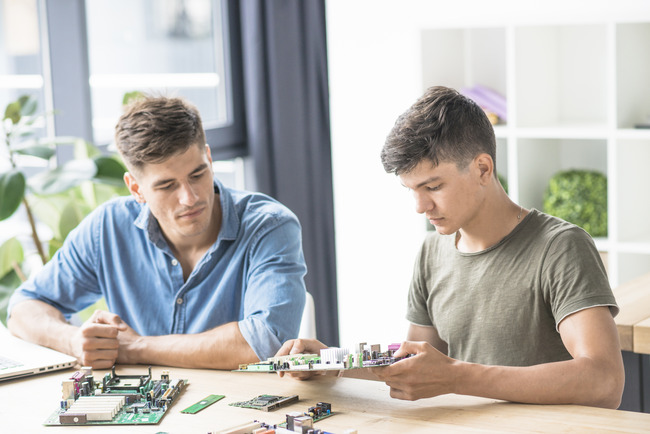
<point>594,376</point>
<point>222,347</point>
<point>93,344</point>
<point>105,339</point>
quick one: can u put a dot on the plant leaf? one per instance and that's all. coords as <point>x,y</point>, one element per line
<point>53,245</point>
<point>12,112</point>
<point>83,149</point>
<point>70,218</point>
<point>28,105</point>
<point>8,284</point>
<point>109,171</point>
<point>12,191</point>
<point>63,177</point>
<point>43,152</point>
<point>130,96</point>
<point>11,251</point>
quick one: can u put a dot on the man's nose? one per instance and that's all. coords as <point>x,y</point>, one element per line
<point>422,203</point>
<point>188,195</point>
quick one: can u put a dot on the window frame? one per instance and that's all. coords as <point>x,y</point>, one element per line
<point>66,76</point>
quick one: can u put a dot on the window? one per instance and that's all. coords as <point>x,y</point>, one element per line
<point>171,47</point>
<point>21,70</point>
<point>79,58</point>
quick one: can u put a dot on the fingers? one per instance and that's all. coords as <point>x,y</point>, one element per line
<point>402,394</point>
<point>408,347</point>
<point>287,347</point>
<point>103,317</point>
<point>99,359</point>
<point>300,346</point>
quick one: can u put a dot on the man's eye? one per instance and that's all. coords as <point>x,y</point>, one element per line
<point>435,188</point>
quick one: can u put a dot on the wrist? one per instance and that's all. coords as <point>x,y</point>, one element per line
<point>462,374</point>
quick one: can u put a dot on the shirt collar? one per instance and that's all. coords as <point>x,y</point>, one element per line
<point>229,219</point>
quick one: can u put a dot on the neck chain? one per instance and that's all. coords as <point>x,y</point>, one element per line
<point>521,210</point>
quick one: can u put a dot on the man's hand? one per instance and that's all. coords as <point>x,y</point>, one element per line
<point>425,374</point>
<point>301,346</point>
<point>96,342</point>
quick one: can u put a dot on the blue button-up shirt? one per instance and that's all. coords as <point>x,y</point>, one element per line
<point>252,274</point>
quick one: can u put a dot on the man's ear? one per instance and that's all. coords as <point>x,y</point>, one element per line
<point>485,166</point>
<point>134,187</point>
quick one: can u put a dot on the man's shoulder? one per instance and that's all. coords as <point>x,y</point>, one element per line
<point>119,207</point>
<point>549,227</point>
<point>250,205</point>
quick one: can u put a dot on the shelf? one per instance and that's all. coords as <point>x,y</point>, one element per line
<point>632,265</point>
<point>469,56</point>
<point>574,94</point>
<point>585,131</point>
<point>633,195</point>
<point>640,247</point>
<point>632,73</point>
<point>561,75</point>
<point>633,133</point>
<point>543,158</point>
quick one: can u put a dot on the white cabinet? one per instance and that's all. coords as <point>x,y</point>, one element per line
<point>574,95</point>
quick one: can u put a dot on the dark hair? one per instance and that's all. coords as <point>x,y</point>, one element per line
<point>152,129</point>
<point>442,126</point>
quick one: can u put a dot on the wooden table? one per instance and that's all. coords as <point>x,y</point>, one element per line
<point>361,404</point>
<point>633,320</point>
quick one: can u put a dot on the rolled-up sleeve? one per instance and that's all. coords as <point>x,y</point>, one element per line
<point>274,298</point>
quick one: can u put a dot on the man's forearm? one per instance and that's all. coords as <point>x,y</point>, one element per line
<point>578,381</point>
<point>223,347</point>
<point>36,321</point>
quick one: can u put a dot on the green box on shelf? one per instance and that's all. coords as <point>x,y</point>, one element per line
<point>579,197</point>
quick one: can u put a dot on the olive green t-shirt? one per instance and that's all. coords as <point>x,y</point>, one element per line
<point>502,306</point>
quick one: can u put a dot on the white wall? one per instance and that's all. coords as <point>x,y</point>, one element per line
<point>375,74</point>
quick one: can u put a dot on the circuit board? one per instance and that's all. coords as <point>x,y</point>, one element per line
<point>294,422</point>
<point>266,402</point>
<point>329,359</point>
<point>116,400</point>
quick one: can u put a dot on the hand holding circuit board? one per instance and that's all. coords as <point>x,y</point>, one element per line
<point>297,358</point>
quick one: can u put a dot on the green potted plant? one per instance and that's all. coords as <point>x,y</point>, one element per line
<point>579,197</point>
<point>60,197</point>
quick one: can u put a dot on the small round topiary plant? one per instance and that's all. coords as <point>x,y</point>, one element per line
<point>579,197</point>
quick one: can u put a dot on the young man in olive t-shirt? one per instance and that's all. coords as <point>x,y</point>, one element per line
<point>505,302</point>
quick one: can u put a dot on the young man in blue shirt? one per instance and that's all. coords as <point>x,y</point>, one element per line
<point>194,274</point>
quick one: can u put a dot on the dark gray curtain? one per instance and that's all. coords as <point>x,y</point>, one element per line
<point>284,57</point>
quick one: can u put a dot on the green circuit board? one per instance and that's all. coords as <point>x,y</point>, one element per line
<point>116,400</point>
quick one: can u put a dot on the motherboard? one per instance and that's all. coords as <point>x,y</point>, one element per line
<point>116,399</point>
<point>330,359</point>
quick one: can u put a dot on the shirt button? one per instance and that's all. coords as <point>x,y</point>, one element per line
<point>174,262</point>
<point>179,301</point>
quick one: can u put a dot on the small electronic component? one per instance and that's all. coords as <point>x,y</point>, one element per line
<point>205,402</point>
<point>266,402</point>
<point>116,400</point>
<point>295,422</point>
<point>329,359</point>
<point>313,414</point>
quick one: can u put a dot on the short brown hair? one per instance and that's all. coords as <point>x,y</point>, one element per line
<point>152,129</point>
<point>442,125</point>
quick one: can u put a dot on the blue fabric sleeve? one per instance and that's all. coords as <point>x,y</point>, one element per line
<point>275,295</point>
<point>67,281</point>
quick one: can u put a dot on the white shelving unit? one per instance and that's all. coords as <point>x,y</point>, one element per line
<point>574,94</point>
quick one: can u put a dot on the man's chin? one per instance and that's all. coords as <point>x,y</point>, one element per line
<point>442,230</point>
